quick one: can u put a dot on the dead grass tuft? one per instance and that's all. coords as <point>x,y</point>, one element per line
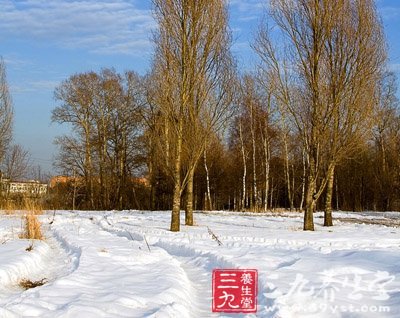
<point>29,248</point>
<point>32,229</point>
<point>28,284</point>
<point>9,207</point>
<point>33,206</point>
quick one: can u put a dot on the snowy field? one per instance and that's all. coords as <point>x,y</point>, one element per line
<point>127,264</point>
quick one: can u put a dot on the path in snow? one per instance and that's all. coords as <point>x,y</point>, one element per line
<point>47,260</point>
<point>386,222</point>
<point>196,265</point>
<point>284,255</point>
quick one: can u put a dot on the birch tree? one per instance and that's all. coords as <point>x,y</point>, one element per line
<point>386,139</point>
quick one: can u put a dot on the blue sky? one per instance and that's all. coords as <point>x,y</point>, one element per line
<point>44,42</point>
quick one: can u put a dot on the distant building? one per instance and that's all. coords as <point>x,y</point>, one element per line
<point>57,180</point>
<point>30,188</point>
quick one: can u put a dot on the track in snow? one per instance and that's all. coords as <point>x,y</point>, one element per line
<point>196,264</point>
<point>51,261</point>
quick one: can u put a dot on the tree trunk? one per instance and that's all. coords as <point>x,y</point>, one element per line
<point>208,205</point>
<point>310,207</point>
<point>176,208</point>
<point>287,173</point>
<point>176,203</point>
<point>337,195</point>
<point>74,193</point>
<point>267,168</point>
<point>293,188</point>
<point>243,203</point>
<point>310,198</point>
<point>89,169</point>
<point>303,182</point>
<point>328,199</point>
<point>272,194</point>
<point>189,200</point>
<point>122,173</point>
<point>254,201</point>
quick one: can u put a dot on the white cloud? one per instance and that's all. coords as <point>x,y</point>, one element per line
<point>44,85</point>
<point>246,11</point>
<point>389,13</point>
<point>34,86</point>
<point>394,67</point>
<point>247,6</point>
<point>103,26</point>
<point>15,61</point>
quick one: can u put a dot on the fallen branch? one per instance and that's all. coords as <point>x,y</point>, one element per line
<point>148,246</point>
<point>214,237</point>
<point>54,215</point>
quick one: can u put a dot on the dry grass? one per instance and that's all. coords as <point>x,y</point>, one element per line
<point>32,206</point>
<point>32,228</point>
<point>9,207</point>
<point>27,284</point>
<point>15,207</point>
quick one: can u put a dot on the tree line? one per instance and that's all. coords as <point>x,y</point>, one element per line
<point>314,126</point>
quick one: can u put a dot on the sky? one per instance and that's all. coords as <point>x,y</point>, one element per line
<point>44,42</point>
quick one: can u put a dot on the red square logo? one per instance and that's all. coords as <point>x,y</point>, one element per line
<point>234,290</point>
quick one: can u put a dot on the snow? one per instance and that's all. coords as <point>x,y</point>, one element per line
<point>127,264</point>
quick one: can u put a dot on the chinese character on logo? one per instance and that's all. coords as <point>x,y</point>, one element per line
<point>234,290</point>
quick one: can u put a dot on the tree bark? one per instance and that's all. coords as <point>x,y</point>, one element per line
<point>189,200</point>
<point>254,201</point>
<point>287,172</point>
<point>267,154</point>
<point>208,199</point>
<point>243,202</point>
<point>311,200</point>
<point>328,199</point>
<point>89,169</point>
<point>303,182</point>
<point>176,203</point>
<point>310,208</point>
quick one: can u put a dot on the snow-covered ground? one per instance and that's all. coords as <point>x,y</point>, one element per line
<point>127,264</point>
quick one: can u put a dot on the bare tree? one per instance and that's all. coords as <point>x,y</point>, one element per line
<point>385,136</point>
<point>77,97</point>
<point>16,163</point>
<point>6,111</point>
<point>355,56</point>
<point>333,55</point>
<point>104,110</point>
<point>193,72</point>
